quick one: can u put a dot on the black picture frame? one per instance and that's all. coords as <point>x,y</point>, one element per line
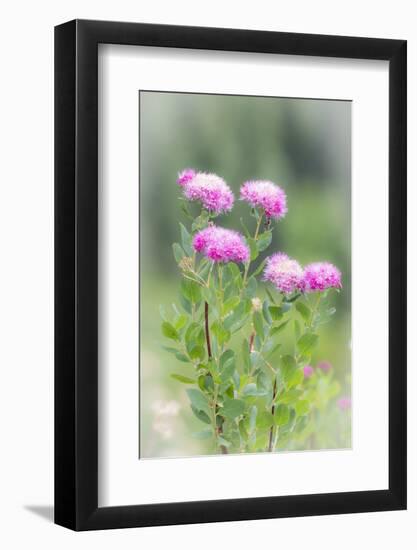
<point>76,272</point>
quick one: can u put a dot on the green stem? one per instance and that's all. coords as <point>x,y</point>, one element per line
<point>314,310</point>
<point>255,238</point>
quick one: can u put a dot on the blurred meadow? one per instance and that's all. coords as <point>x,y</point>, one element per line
<point>302,145</point>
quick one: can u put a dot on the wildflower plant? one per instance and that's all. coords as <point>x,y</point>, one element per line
<point>250,391</point>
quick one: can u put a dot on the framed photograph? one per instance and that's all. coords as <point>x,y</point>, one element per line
<point>230,248</point>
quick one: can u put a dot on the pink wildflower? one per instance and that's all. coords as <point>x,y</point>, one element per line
<point>321,276</point>
<point>185,176</point>
<point>283,272</point>
<point>344,403</point>
<point>325,366</point>
<point>308,371</point>
<point>211,190</point>
<point>221,245</point>
<point>266,195</point>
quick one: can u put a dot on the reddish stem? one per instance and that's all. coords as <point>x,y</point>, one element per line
<point>271,431</point>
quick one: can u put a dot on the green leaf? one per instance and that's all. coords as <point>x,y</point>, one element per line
<point>246,356</point>
<point>255,359</point>
<point>183,379</point>
<point>292,299</point>
<point>279,328</point>
<point>204,434</point>
<point>252,418</point>
<point>198,400</point>
<point>282,415</point>
<point>191,290</point>
<point>225,356</point>
<point>227,369</point>
<point>182,357</point>
<point>205,383</point>
<point>162,313</point>
<point>303,310</point>
<point>302,407</point>
<point>253,249</point>
<point>259,268</point>
<point>245,229</point>
<point>233,408</point>
<point>290,396</point>
<point>238,317</point>
<point>186,241</point>
<point>191,335</point>
<point>265,311</point>
<point>201,221</point>
<point>307,342</point>
<point>169,331</point>
<point>210,297</point>
<point>178,252</point>
<point>275,312</point>
<point>288,366</point>
<point>273,349</point>
<point>270,296</point>
<point>264,420</point>
<point>230,304</point>
<point>251,287</point>
<point>221,334</point>
<point>264,241</point>
<point>251,390</point>
<point>185,304</point>
<point>170,350</point>
<point>197,353</point>
<point>258,325</point>
<point>180,322</point>
<point>297,329</point>
<point>295,379</point>
<point>201,415</point>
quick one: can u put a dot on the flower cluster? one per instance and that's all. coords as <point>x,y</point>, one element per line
<point>225,324</point>
<point>321,276</point>
<point>221,245</point>
<point>288,276</point>
<point>284,273</point>
<point>209,189</point>
<point>266,195</point>
<point>344,403</point>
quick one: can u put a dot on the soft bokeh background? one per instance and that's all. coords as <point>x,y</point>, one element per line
<point>301,144</point>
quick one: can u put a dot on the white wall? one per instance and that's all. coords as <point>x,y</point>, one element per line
<point>26,289</point>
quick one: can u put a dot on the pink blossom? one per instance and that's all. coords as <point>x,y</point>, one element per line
<point>308,371</point>
<point>321,276</point>
<point>185,176</point>
<point>325,366</point>
<point>209,189</point>
<point>221,245</point>
<point>266,195</point>
<point>283,272</point>
<point>344,403</point>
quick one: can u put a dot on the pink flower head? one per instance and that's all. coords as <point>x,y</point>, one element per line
<point>185,176</point>
<point>308,371</point>
<point>221,245</point>
<point>321,276</point>
<point>325,366</point>
<point>265,194</point>
<point>284,272</point>
<point>344,403</point>
<point>211,190</point>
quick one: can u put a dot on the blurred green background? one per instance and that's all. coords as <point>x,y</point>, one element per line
<point>302,145</point>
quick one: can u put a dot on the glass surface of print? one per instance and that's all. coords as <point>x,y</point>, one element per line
<point>245,274</point>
